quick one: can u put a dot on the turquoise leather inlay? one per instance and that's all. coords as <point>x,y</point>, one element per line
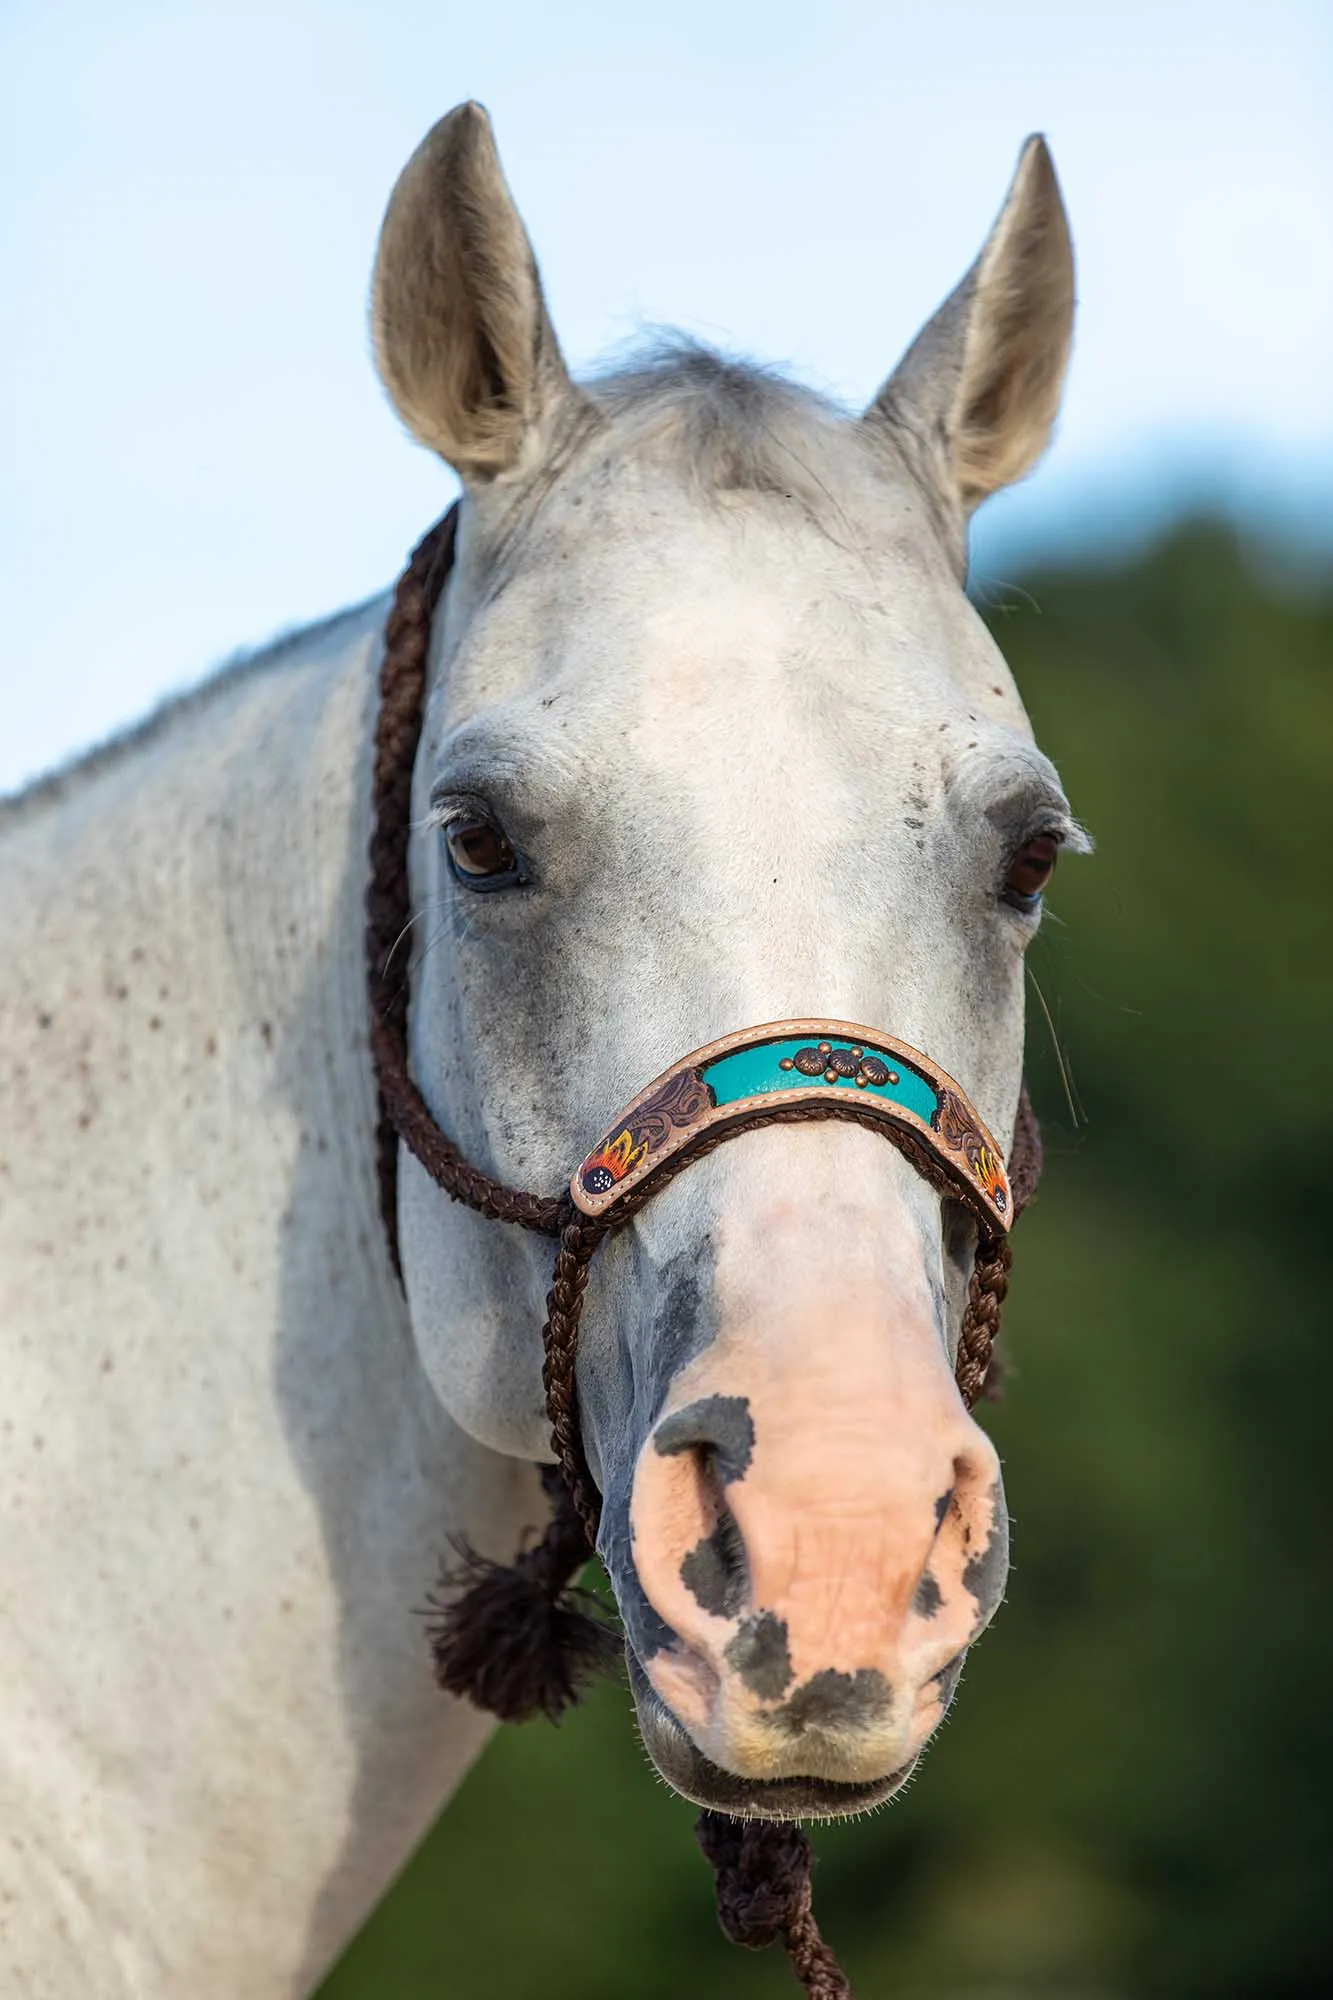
<point>753,1071</point>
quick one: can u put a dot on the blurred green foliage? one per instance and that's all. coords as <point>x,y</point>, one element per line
<point>1134,1795</point>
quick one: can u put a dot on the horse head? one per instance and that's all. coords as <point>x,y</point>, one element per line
<point>713,737</point>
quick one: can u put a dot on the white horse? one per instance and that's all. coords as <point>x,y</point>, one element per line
<point>712,722</point>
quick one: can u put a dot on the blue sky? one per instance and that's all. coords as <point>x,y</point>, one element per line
<point>194,452</point>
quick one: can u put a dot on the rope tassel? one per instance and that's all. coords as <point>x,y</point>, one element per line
<point>522,1639</point>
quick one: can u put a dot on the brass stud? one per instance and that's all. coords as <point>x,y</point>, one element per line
<point>830,1076</point>
<point>861,1082</point>
<point>786,1063</point>
<point>894,1076</point>
<point>825,1048</point>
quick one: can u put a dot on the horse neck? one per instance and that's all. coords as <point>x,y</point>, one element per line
<point>230,1482</point>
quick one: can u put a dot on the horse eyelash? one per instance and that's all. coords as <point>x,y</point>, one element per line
<point>448,807</point>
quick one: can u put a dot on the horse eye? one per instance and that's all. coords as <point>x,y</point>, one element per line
<point>1030,870</point>
<point>480,853</point>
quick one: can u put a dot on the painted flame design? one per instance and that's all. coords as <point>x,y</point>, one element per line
<point>991,1175</point>
<point>618,1156</point>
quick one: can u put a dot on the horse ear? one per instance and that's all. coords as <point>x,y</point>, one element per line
<point>978,390</point>
<point>462,338</point>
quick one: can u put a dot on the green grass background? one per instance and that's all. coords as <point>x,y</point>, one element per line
<point>1134,1795</point>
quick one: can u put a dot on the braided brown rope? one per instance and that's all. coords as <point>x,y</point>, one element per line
<point>404,1113</point>
<point>762,1869</point>
<point>560,1336</point>
<point>517,1641</point>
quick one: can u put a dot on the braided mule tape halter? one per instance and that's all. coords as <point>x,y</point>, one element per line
<point>948,1145</point>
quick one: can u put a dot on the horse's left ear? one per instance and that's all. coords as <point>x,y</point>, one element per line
<point>977,392</point>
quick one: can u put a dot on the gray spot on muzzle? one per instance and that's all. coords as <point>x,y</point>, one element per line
<point>984,1575</point>
<point>947,1678</point>
<point>621,1392</point>
<point>760,1656</point>
<point>715,1571</point>
<point>929,1596</point>
<point>720,1425</point>
<point>834,1700</point>
<point>682,1325</point>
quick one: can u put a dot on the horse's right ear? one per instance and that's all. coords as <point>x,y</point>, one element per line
<point>462,338</point>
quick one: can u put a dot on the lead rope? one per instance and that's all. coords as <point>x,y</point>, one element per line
<point>522,1638</point>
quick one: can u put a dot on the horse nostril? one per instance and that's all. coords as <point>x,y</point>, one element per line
<point>971,1541</point>
<point>719,1426</point>
<point>711,1441</point>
